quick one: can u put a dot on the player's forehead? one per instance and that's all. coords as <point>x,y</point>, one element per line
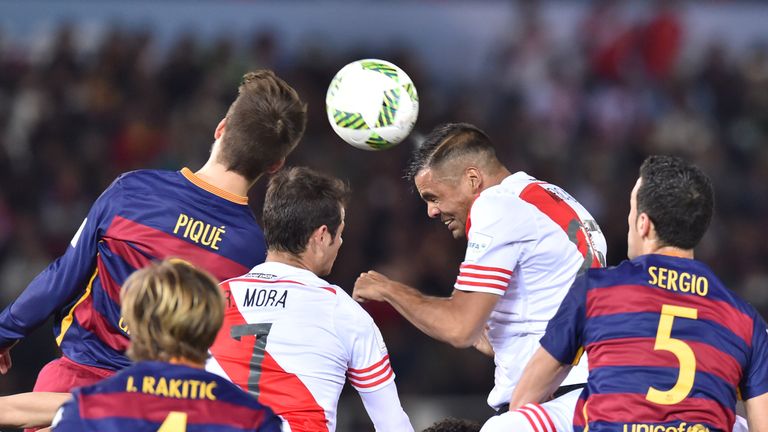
<point>633,195</point>
<point>430,182</point>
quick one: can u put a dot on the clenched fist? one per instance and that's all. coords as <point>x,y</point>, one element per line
<point>370,286</point>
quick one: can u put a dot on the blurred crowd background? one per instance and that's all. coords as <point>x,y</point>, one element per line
<point>581,112</point>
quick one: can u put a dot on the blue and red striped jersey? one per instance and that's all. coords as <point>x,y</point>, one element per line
<point>143,216</point>
<point>668,346</point>
<point>152,396</point>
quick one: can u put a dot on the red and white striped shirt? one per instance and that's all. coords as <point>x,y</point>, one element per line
<point>292,340</point>
<point>527,240</point>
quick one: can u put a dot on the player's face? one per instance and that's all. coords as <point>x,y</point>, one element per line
<point>633,236</point>
<point>333,247</point>
<point>447,198</point>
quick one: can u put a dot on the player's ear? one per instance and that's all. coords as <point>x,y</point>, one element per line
<point>474,178</point>
<point>275,167</point>
<point>220,128</point>
<point>644,225</point>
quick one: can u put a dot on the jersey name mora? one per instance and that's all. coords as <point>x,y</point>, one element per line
<point>265,297</point>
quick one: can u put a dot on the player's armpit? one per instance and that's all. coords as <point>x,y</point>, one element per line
<point>483,345</point>
<point>27,410</point>
<point>757,413</point>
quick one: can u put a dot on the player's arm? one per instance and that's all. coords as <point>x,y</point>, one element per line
<point>369,370</point>
<point>457,320</point>
<point>384,409</point>
<point>541,377</point>
<point>28,410</point>
<point>757,413</point>
<point>58,284</point>
<point>754,386</point>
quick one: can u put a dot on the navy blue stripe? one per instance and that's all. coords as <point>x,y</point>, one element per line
<point>637,379</point>
<point>645,324</point>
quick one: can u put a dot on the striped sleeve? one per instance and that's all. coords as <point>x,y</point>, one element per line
<point>372,377</point>
<point>368,366</point>
<point>473,277</point>
<point>499,234</point>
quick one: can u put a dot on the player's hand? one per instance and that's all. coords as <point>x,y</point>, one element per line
<point>370,286</point>
<point>483,345</point>
<point>5,359</point>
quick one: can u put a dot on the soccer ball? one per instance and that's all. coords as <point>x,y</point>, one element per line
<point>372,104</point>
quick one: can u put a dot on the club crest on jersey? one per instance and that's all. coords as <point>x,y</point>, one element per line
<point>478,244</point>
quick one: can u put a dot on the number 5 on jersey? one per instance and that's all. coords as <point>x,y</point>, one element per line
<point>681,350</point>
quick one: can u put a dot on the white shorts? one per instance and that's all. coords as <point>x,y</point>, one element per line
<point>553,416</point>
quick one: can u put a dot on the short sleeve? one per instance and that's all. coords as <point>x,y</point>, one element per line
<point>368,368</point>
<point>497,238</point>
<point>564,336</point>
<point>755,380</point>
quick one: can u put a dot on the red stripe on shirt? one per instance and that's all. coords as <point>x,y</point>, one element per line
<point>640,352</point>
<point>375,383</point>
<point>634,408</point>
<point>278,389</point>
<point>199,411</point>
<point>484,268</point>
<point>619,299</point>
<point>560,213</point>
<point>160,245</point>
<point>535,414</point>
<point>529,418</point>
<point>546,415</point>
<point>481,284</point>
<point>373,375</point>
<point>370,368</point>
<point>91,320</point>
<point>483,276</point>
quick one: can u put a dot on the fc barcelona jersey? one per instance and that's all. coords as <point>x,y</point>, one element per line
<point>143,216</point>
<point>155,396</point>
<point>669,346</point>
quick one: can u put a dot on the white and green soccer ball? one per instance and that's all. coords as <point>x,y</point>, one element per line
<point>372,104</point>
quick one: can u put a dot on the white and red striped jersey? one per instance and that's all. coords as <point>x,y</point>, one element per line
<point>527,240</point>
<point>292,340</point>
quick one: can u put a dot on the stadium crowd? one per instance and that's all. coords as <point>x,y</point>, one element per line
<point>582,116</point>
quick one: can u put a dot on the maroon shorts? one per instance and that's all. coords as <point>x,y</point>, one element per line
<point>62,375</point>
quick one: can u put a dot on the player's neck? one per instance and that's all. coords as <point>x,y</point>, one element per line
<point>673,251</point>
<point>217,175</point>
<point>186,362</point>
<point>290,259</point>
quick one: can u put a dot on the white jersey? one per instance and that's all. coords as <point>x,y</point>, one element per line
<point>292,340</point>
<point>527,240</point>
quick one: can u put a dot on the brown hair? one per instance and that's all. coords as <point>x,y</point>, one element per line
<point>172,310</point>
<point>299,200</point>
<point>264,124</point>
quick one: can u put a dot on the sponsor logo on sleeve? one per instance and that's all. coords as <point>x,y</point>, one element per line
<point>478,244</point>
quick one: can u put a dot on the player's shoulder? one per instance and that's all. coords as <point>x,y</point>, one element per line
<point>621,273</point>
<point>505,196</point>
<point>351,313</point>
<point>145,180</point>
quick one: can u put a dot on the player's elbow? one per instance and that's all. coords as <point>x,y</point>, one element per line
<point>461,337</point>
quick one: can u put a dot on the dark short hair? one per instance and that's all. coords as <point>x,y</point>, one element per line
<point>447,142</point>
<point>678,198</point>
<point>264,124</point>
<point>299,200</point>
<point>452,424</point>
